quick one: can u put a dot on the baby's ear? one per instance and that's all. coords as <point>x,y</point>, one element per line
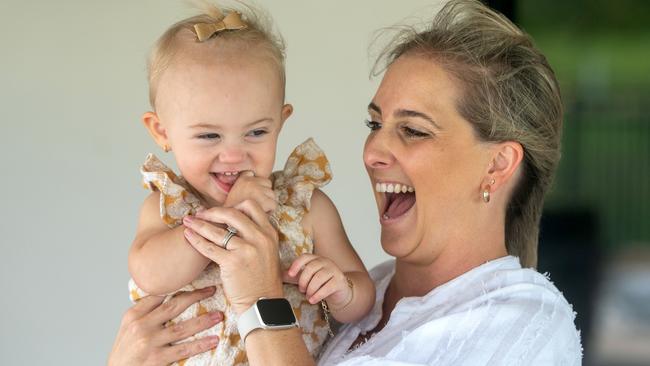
<point>287,110</point>
<point>156,129</point>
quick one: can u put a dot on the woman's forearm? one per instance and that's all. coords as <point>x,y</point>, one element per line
<point>277,347</point>
<point>363,298</point>
<point>165,262</point>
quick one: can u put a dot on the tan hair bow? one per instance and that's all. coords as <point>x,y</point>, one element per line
<point>232,21</point>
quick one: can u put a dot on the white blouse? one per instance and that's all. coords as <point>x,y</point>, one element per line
<point>495,314</point>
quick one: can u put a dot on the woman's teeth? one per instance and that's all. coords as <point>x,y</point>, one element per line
<point>393,188</point>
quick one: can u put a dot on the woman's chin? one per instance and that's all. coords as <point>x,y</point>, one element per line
<point>397,232</point>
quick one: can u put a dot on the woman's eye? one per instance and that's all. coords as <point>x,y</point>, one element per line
<point>258,133</point>
<point>209,136</point>
<point>373,125</point>
<point>411,132</point>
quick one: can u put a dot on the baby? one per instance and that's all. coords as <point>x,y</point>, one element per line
<point>217,84</point>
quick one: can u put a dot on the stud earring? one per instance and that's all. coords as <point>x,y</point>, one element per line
<point>166,148</point>
<point>486,195</point>
<point>486,192</point>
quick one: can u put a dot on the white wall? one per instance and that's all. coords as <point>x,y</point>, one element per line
<point>72,89</point>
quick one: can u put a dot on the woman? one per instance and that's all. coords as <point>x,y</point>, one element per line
<point>469,115</point>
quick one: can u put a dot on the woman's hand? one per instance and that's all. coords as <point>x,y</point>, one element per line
<point>250,267</point>
<point>143,338</point>
<point>320,278</point>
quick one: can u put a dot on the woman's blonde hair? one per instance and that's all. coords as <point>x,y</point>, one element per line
<point>509,93</point>
<point>259,33</point>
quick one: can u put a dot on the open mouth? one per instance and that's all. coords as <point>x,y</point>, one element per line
<point>400,198</point>
<point>225,180</point>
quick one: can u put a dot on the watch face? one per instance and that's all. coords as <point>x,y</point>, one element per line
<point>275,312</point>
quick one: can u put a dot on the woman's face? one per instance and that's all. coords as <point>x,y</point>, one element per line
<point>419,140</point>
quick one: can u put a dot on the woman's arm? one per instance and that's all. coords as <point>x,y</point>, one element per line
<point>250,269</point>
<point>328,279</point>
<point>160,260</point>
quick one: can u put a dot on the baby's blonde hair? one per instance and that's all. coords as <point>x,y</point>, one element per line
<point>259,33</point>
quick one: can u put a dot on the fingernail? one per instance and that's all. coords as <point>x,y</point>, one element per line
<point>216,316</point>
<point>188,233</point>
<point>213,340</point>
<point>207,289</point>
<point>187,220</point>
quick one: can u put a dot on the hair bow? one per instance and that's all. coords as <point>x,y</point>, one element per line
<point>232,21</point>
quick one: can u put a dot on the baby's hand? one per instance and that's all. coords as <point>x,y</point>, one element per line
<point>320,278</point>
<point>248,186</point>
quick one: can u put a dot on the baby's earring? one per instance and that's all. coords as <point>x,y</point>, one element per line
<point>166,148</point>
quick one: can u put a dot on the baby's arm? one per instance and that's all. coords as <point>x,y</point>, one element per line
<point>325,274</point>
<point>160,260</point>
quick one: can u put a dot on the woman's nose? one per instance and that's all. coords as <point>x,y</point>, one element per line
<point>376,152</point>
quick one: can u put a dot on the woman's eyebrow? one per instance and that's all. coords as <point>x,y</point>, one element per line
<point>373,107</point>
<point>410,113</point>
<point>406,113</point>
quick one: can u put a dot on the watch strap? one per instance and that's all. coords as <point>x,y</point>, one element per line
<point>248,321</point>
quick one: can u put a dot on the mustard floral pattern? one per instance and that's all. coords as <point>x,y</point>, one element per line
<point>306,168</point>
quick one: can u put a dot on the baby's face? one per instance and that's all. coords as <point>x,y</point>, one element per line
<point>221,117</point>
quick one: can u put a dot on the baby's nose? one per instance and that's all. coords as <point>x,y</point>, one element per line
<point>232,154</point>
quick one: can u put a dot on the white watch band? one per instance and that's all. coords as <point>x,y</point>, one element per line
<point>248,321</point>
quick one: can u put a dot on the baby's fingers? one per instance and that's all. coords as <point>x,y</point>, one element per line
<point>323,292</point>
<point>317,281</point>
<point>286,278</point>
<point>299,263</point>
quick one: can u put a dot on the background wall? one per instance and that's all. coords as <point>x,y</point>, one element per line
<point>72,90</point>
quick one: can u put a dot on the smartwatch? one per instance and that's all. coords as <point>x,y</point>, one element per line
<point>266,314</point>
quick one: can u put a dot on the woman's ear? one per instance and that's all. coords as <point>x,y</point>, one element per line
<point>156,129</point>
<point>502,171</point>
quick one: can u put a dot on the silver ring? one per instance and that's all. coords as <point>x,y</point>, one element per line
<point>231,232</point>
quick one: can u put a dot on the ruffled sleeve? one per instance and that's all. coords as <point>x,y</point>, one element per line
<point>306,168</point>
<point>176,200</point>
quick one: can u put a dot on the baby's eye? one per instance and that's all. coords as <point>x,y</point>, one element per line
<point>411,132</point>
<point>373,125</point>
<point>209,136</point>
<point>258,133</point>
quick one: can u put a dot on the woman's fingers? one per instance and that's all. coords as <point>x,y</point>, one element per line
<point>185,329</point>
<point>229,216</point>
<point>187,349</point>
<point>177,304</point>
<point>143,307</point>
<point>256,213</point>
<point>208,248</point>
<point>205,229</point>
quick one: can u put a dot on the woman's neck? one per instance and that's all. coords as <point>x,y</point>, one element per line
<point>418,279</point>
